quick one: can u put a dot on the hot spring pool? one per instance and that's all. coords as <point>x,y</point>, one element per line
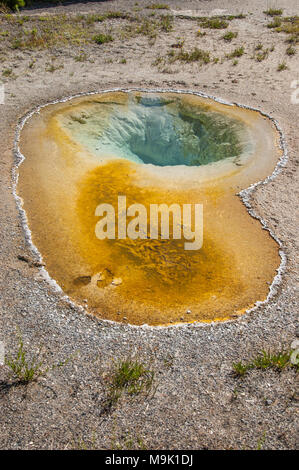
<point>153,148</point>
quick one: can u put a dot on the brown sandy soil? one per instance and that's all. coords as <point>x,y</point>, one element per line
<point>198,403</point>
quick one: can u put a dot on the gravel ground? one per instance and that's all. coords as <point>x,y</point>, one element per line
<point>197,403</point>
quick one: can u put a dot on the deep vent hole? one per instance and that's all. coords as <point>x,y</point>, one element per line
<point>151,130</point>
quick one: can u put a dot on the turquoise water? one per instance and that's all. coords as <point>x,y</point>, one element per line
<point>152,130</point>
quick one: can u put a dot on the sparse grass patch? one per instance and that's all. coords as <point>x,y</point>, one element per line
<point>291,51</point>
<point>213,23</point>
<point>276,23</point>
<point>166,23</point>
<point>131,376</point>
<point>229,36</point>
<point>240,16</point>
<point>90,19</point>
<point>293,39</point>
<point>179,44</point>
<point>260,56</point>
<point>7,73</point>
<point>94,18</point>
<point>116,15</point>
<point>158,61</point>
<point>289,25</point>
<point>25,367</point>
<point>82,57</point>
<point>282,66</point>
<point>102,38</point>
<point>17,44</point>
<point>265,360</point>
<point>238,52</point>
<point>128,442</point>
<point>274,12</point>
<point>53,67</point>
<point>147,27</point>
<point>196,55</point>
<point>57,30</point>
<point>158,6</point>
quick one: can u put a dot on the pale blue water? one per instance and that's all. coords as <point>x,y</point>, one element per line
<point>152,130</point>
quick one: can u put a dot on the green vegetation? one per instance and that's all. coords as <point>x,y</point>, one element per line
<point>52,67</point>
<point>128,442</point>
<point>131,376</point>
<point>82,57</point>
<point>262,55</point>
<point>265,360</point>
<point>147,27</point>
<point>102,38</point>
<point>290,25</point>
<point>166,23</point>
<point>55,30</point>
<point>261,441</point>
<point>229,36</point>
<point>291,51</point>
<point>275,23</point>
<point>93,18</point>
<point>25,367</point>
<point>282,66</point>
<point>7,72</point>
<point>213,23</point>
<point>274,12</point>
<point>158,6</point>
<point>13,4</point>
<point>238,52</point>
<point>46,32</point>
<point>196,55</point>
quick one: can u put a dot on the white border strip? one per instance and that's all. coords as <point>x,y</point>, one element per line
<point>245,195</point>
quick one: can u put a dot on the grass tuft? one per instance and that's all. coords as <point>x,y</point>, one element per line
<point>291,51</point>
<point>25,367</point>
<point>166,23</point>
<point>276,23</point>
<point>274,12</point>
<point>229,36</point>
<point>131,376</point>
<point>238,52</point>
<point>102,38</point>
<point>213,23</point>
<point>265,360</point>
<point>196,55</point>
<point>158,6</point>
<point>282,66</point>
